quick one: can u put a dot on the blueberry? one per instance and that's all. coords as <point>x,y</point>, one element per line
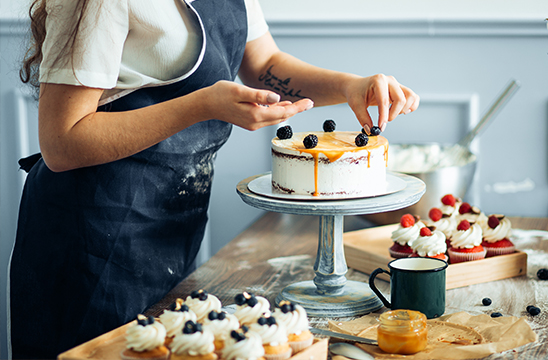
<point>195,294</point>
<point>237,336</point>
<point>245,328</point>
<point>271,320</point>
<point>486,301</point>
<point>529,307</point>
<point>310,141</point>
<point>198,327</point>
<point>542,274</point>
<point>284,132</point>
<point>189,327</point>
<point>213,315</point>
<point>173,306</point>
<point>533,310</point>
<point>142,322</point>
<point>361,140</point>
<point>262,321</point>
<point>184,308</point>
<point>240,299</point>
<point>285,308</point>
<point>150,320</point>
<point>221,315</point>
<point>203,296</point>
<point>329,126</point>
<point>375,130</point>
<point>252,301</point>
<point>496,314</point>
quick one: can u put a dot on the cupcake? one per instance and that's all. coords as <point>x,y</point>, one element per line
<point>249,308</point>
<point>295,320</point>
<point>193,342</point>
<point>471,213</point>
<point>450,205</point>
<point>274,338</point>
<point>442,222</point>
<point>466,243</point>
<point>403,236</point>
<point>201,303</point>
<point>242,345</point>
<point>496,236</point>
<point>220,324</point>
<point>175,318</point>
<point>145,340</point>
<point>430,243</point>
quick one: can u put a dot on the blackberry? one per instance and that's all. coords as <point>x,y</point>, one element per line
<point>310,141</point>
<point>284,132</point>
<point>361,140</point>
<point>496,314</point>
<point>486,301</point>
<point>375,130</point>
<point>542,274</point>
<point>328,126</point>
<point>533,310</point>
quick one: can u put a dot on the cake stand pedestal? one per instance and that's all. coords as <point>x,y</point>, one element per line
<point>330,294</point>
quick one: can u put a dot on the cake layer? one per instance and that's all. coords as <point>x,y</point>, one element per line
<point>336,166</point>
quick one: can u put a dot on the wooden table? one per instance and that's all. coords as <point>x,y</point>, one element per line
<point>280,249</point>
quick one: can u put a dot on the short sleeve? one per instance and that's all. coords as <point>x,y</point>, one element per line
<point>94,58</point>
<point>256,23</point>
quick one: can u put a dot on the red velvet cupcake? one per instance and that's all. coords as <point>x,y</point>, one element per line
<point>466,243</point>
<point>403,236</point>
<point>430,243</point>
<point>496,234</point>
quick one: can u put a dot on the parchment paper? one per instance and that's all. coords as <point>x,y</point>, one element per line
<point>464,336</point>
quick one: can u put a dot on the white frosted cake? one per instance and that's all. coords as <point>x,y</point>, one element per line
<point>336,166</point>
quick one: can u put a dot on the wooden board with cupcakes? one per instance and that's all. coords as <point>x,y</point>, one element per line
<point>472,242</point>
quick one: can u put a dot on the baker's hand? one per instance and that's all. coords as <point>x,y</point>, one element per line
<point>249,108</point>
<point>383,91</point>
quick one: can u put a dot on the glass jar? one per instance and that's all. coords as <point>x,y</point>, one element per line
<point>402,332</point>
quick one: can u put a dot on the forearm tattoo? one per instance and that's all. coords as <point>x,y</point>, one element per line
<point>279,85</point>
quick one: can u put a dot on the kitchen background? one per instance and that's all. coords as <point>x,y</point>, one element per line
<point>457,55</point>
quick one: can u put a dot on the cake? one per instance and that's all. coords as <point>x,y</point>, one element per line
<point>274,338</point>
<point>145,340</point>
<point>496,236</point>
<point>220,324</point>
<point>430,243</point>
<point>466,243</point>
<point>175,318</point>
<point>243,345</point>
<point>333,165</point>
<point>407,231</point>
<point>201,303</point>
<point>193,343</point>
<point>249,308</point>
<point>295,320</point>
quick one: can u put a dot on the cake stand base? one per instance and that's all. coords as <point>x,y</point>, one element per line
<point>356,299</point>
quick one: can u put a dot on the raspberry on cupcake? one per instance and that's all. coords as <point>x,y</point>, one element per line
<point>430,243</point>
<point>221,324</point>
<point>274,338</point>
<point>444,223</point>
<point>175,318</point>
<point>145,340</point>
<point>249,308</point>
<point>471,213</point>
<point>496,236</point>
<point>295,320</point>
<point>202,303</point>
<point>193,343</point>
<point>450,205</point>
<point>466,243</point>
<point>403,236</point>
<point>243,345</point>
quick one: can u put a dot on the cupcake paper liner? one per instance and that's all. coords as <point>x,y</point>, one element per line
<point>297,346</point>
<point>457,257</point>
<point>280,356</point>
<point>495,251</point>
<point>399,254</point>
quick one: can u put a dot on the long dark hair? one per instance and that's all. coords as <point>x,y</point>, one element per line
<point>30,69</point>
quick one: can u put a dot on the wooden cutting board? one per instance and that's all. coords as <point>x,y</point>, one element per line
<point>367,250</point>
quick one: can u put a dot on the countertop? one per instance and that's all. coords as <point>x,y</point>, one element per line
<point>280,249</point>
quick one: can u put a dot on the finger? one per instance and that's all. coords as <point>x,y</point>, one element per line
<point>412,101</point>
<point>398,102</point>
<point>359,107</point>
<point>383,101</point>
<point>279,112</point>
<point>262,97</point>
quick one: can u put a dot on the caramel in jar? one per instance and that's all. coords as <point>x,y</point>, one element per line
<point>402,332</point>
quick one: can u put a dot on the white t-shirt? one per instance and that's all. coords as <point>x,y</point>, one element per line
<point>124,45</point>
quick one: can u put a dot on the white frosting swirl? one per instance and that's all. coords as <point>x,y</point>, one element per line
<point>294,321</point>
<point>174,321</point>
<point>198,343</point>
<point>406,235</point>
<point>251,348</point>
<point>144,338</point>
<point>450,210</point>
<point>247,314</point>
<point>502,231</point>
<point>446,225</point>
<point>203,307</point>
<point>272,335</point>
<point>467,238</point>
<point>221,328</point>
<point>472,218</point>
<point>430,245</point>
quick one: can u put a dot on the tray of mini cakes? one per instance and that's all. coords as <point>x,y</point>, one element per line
<point>470,241</point>
<point>199,327</point>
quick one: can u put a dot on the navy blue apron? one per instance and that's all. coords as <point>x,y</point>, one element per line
<point>98,245</point>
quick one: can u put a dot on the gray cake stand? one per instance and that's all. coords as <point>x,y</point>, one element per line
<point>330,294</point>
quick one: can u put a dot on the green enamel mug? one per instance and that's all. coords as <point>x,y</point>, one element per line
<point>415,284</point>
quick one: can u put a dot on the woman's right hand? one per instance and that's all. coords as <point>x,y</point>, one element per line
<point>247,107</point>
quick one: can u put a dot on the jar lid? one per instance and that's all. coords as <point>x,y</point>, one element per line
<point>409,319</point>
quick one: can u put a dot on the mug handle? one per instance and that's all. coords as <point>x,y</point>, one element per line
<point>374,288</point>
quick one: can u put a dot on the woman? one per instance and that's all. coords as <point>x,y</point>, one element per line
<point>135,99</point>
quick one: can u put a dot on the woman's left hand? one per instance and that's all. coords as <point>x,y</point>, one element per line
<point>383,91</point>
